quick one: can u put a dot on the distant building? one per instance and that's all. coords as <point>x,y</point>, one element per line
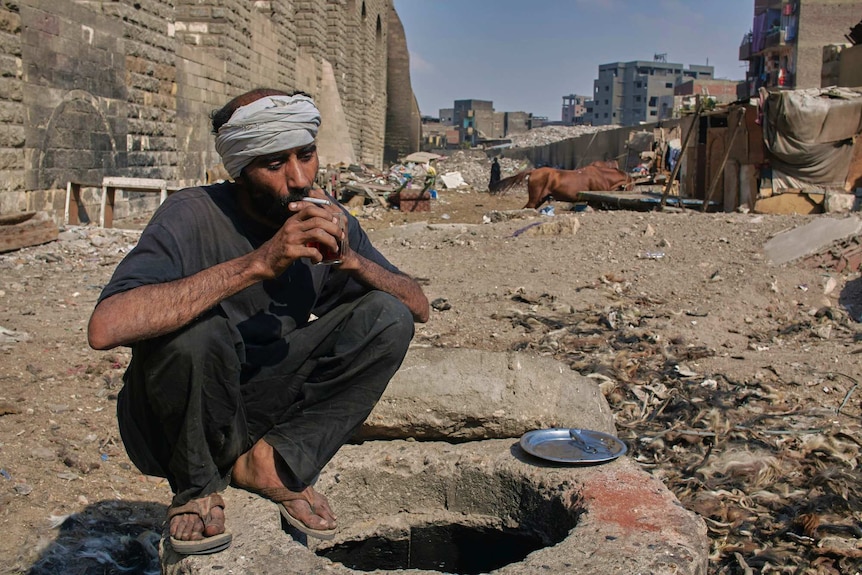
<point>478,123</point>
<point>516,122</point>
<point>433,134</point>
<point>574,109</point>
<point>717,91</point>
<point>474,116</point>
<point>627,93</point>
<point>724,91</point>
<point>538,121</point>
<point>790,40</point>
<point>447,116</point>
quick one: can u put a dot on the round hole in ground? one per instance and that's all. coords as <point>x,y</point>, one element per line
<point>452,548</point>
<point>443,508</point>
<point>486,523</point>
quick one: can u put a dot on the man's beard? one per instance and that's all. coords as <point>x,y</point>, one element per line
<point>275,209</point>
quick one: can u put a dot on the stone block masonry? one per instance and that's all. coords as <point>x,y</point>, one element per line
<point>92,89</point>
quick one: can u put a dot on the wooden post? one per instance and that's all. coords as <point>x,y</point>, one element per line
<point>697,110</point>
<point>720,172</point>
<point>72,217</point>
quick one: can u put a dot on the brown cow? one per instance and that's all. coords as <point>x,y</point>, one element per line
<point>564,185</point>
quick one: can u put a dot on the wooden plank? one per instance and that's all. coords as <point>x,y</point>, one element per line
<point>754,132</point>
<point>731,186</point>
<point>366,190</point>
<point>110,184</point>
<point>747,185</point>
<point>134,183</point>
<point>26,229</point>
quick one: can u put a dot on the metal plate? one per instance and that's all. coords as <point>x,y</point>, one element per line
<point>572,445</point>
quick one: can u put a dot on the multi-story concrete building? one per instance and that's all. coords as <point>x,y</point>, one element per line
<point>574,109</point>
<point>785,48</point>
<point>90,89</point>
<point>476,120</point>
<point>627,93</point>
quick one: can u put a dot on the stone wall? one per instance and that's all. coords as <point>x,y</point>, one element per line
<point>403,120</point>
<point>95,88</point>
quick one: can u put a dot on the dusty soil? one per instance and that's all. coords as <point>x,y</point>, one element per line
<point>733,380</point>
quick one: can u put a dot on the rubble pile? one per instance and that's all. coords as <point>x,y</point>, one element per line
<point>845,256</point>
<point>475,167</point>
<point>551,134</point>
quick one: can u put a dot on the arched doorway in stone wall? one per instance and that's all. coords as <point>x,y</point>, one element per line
<point>78,144</point>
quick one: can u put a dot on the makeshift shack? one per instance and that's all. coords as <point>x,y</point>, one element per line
<point>721,155</point>
<point>786,152</point>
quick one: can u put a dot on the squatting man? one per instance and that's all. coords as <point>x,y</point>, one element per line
<point>251,365</point>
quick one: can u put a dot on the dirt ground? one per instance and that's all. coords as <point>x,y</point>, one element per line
<point>733,380</point>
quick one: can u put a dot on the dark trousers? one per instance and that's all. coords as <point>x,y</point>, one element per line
<point>196,399</point>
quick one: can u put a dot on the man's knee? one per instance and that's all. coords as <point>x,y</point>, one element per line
<point>394,318</point>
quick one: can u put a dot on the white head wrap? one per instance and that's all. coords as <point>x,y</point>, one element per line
<point>266,126</point>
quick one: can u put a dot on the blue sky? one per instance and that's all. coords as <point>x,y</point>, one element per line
<point>525,55</point>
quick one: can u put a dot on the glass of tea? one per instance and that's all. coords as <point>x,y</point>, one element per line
<point>332,256</point>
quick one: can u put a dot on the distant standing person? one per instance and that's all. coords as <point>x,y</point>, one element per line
<point>495,175</point>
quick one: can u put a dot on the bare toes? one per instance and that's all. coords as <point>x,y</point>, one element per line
<point>187,527</point>
<point>215,524</point>
<point>302,511</point>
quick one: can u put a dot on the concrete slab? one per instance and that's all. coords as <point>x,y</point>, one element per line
<point>468,394</point>
<point>810,238</point>
<point>625,520</point>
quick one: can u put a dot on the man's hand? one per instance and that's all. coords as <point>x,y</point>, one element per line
<point>312,228</point>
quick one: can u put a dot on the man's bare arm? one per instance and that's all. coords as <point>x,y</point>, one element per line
<point>152,310</point>
<point>401,286</point>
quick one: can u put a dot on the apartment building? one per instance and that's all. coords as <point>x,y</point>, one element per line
<point>477,122</point>
<point>628,93</point>
<point>475,117</point>
<point>789,39</point>
<point>574,109</point>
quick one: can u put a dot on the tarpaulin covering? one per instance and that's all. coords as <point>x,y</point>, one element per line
<point>809,133</point>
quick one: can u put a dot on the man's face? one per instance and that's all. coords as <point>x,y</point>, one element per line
<point>271,182</point>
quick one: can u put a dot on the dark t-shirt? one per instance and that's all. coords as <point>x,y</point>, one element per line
<point>197,228</point>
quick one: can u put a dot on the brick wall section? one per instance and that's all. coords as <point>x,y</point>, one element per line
<point>372,41</point>
<point>75,96</point>
<point>403,120</point>
<point>821,22</point>
<point>337,49</point>
<point>12,111</point>
<point>150,86</point>
<point>352,81</point>
<point>91,88</point>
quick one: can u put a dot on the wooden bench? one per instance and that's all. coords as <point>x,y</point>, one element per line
<point>111,184</point>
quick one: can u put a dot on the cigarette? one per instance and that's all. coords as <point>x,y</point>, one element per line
<point>317,201</point>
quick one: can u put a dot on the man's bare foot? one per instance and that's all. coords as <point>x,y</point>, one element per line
<point>256,471</point>
<point>198,526</point>
<point>190,526</point>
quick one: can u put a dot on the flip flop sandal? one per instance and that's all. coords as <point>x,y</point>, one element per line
<point>204,546</point>
<point>280,495</point>
<point>200,507</point>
